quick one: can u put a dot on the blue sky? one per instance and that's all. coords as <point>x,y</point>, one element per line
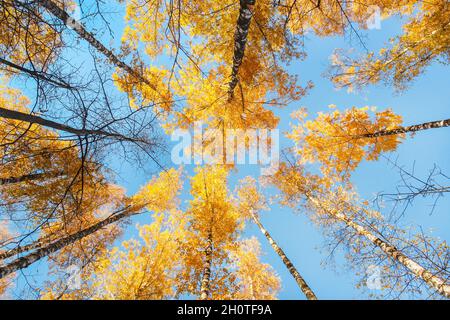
<point>426,99</point>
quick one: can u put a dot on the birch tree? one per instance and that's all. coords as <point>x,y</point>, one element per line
<point>214,224</point>
<point>251,201</point>
<point>340,140</point>
<point>340,206</point>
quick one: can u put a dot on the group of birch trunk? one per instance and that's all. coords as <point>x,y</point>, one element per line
<point>110,131</point>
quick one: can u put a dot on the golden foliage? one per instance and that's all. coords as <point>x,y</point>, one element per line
<point>145,269</point>
<point>255,280</point>
<point>336,139</point>
<point>160,193</point>
<point>204,74</point>
<point>26,38</point>
<point>212,218</point>
<point>425,38</point>
<point>103,269</point>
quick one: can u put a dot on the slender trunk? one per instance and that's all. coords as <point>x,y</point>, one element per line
<point>240,41</point>
<point>20,116</point>
<point>298,278</point>
<point>37,74</point>
<point>433,281</point>
<point>205,288</point>
<point>20,249</point>
<point>58,12</point>
<point>409,129</point>
<point>44,251</point>
<point>252,291</point>
<point>30,177</point>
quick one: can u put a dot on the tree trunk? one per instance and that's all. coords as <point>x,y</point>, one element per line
<point>58,12</point>
<point>44,251</point>
<point>390,250</point>
<point>409,129</point>
<point>240,41</point>
<point>20,116</point>
<point>38,74</point>
<point>205,288</point>
<point>20,249</point>
<point>30,177</point>
<point>298,278</point>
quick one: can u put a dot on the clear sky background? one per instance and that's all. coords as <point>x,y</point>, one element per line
<point>427,99</point>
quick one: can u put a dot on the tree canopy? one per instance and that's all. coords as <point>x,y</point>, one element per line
<point>92,93</point>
